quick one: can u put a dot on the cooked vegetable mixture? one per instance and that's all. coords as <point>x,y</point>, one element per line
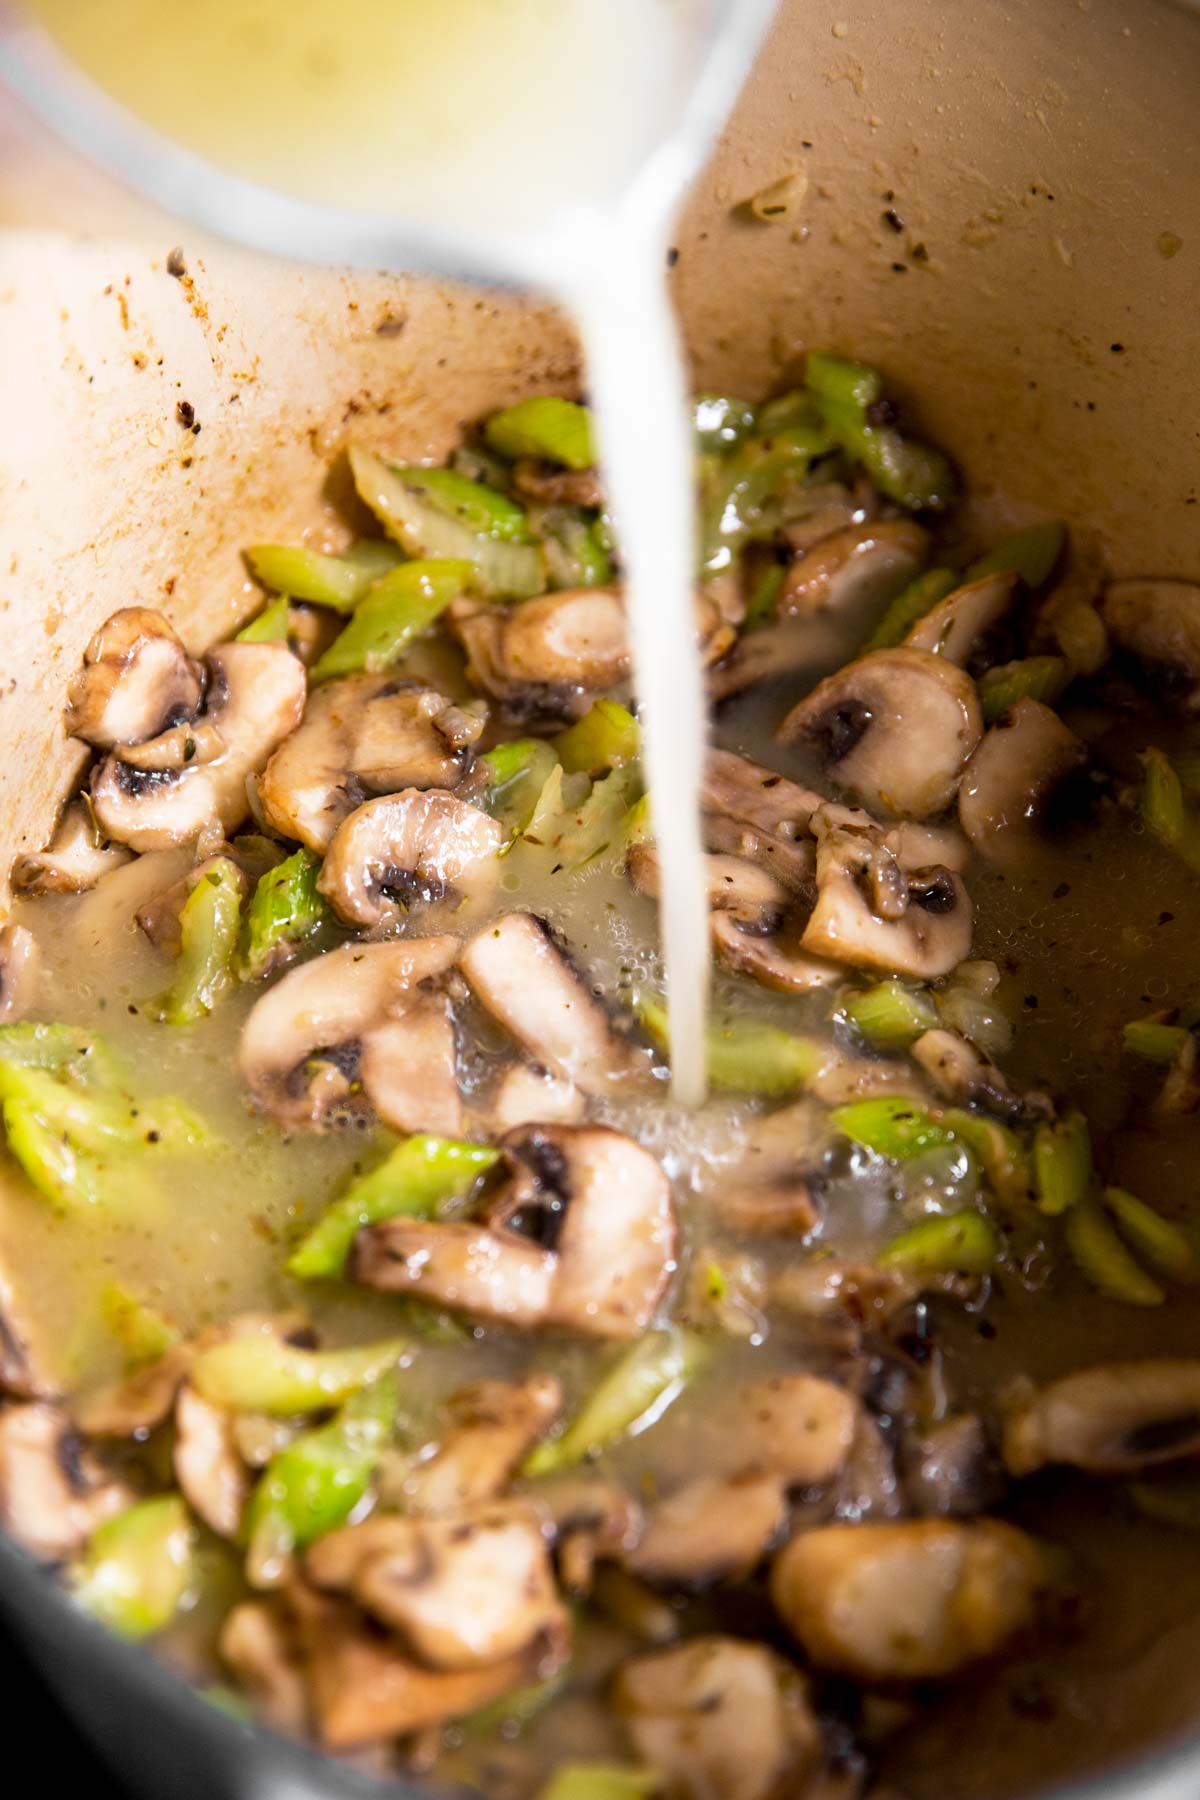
<point>380,1340</point>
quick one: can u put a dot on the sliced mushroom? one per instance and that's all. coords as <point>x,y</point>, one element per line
<point>363,735</point>
<point>856,569</point>
<point>528,1095</point>
<point>18,971</point>
<point>255,697</point>
<point>1012,775</point>
<point>773,958</point>
<point>1110,1420</point>
<point>909,1600</point>
<point>734,883</point>
<point>492,1427</point>
<point>873,914</point>
<point>955,625</point>
<point>258,1646</point>
<point>720,1719</point>
<point>409,846</point>
<point>137,679</point>
<point>531,987</point>
<point>1158,623</point>
<point>465,1590</point>
<point>408,1066</point>
<point>895,729</point>
<point>742,789</point>
<point>53,1494</point>
<point>26,1358</point>
<point>772,1187</point>
<point>546,653</point>
<point>961,1073</point>
<point>599,1252</point>
<point>791,861</point>
<point>208,1466</point>
<point>798,1426</point>
<point>322,1018</point>
<point>714,1528</point>
<point>365,1689</point>
<point>176,748</point>
<point>75,858</point>
<point>951,1469</point>
<point>590,1520</point>
<point>550,485</point>
<point>133,1405</point>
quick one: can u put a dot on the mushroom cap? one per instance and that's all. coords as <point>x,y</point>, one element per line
<point>855,569</point>
<point>743,789</point>
<point>1110,1420</point>
<point>926,928</point>
<point>75,858</point>
<point>256,696</point>
<point>895,729</point>
<point>1012,774</point>
<point>1156,621</point>
<point>954,626</point>
<point>214,1480</point>
<point>365,734</point>
<point>714,1528</point>
<point>576,639</point>
<point>136,679</point>
<point>773,958</point>
<point>419,844</point>
<point>734,883</point>
<point>337,999</point>
<point>491,1427</point>
<point>53,1495</point>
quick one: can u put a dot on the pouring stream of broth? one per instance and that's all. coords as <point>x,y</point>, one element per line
<point>526,121</point>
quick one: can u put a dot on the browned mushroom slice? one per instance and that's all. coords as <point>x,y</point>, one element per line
<point>873,914</point>
<point>800,1427</point>
<point>955,625</point>
<point>531,987</point>
<point>527,1095</point>
<point>590,1519</point>
<point>720,1719</point>
<point>314,1025</point>
<point>53,1494</point>
<point>18,971</point>
<point>747,790</point>
<point>908,1600</point>
<point>1012,775</point>
<point>365,1689</point>
<point>255,697</point>
<point>208,1466</point>
<point>258,1646</point>
<point>75,858</point>
<point>856,569</point>
<point>176,748</point>
<point>597,1198</point>
<point>366,734</point>
<point>547,651</point>
<point>734,883</point>
<point>715,1528</point>
<point>1110,1420</point>
<point>772,957</point>
<point>552,486</point>
<point>412,846</point>
<point>464,1591</point>
<point>791,861</point>
<point>1158,623</point>
<point>136,679</point>
<point>492,1426</point>
<point>895,729</point>
<point>135,1404</point>
<point>961,1073</point>
<point>408,1066</point>
<point>951,1469</point>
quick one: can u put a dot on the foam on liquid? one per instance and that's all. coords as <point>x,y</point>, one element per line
<point>521,118</point>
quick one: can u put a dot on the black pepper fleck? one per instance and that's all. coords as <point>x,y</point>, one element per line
<point>1061,891</point>
<point>892,220</point>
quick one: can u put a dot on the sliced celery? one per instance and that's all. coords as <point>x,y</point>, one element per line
<point>336,581</point>
<point>545,427</point>
<point>1030,553</point>
<point>891,1126</point>
<point>1165,810</point>
<point>1033,678</point>
<point>963,1243</point>
<point>918,598</point>
<point>720,421</point>
<point>483,510</point>
<point>285,909</point>
<point>889,1015</point>
<point>912,473</point>
<point>606,736</point>
<point>1104,1260</point>
<point>597,825</point>
<point>517,773</point>
<point>418,1178</point>
<point>397,610</point>
<point>1153,1041</point>
<point>601,1781</point>
<point>262,1373</point>
<point>574,549</point>
<point>999,1152</point>
<point>270,626</point>
<point>209,928</point>
<point>1062,1163</point>
<point>635,1391</point>
<point>141,1330</point>
<point>138,1567</point>
<point>744,1058</point>
<point>424,523</point>
<point>314,1484</point>
<point>1165,1246</point>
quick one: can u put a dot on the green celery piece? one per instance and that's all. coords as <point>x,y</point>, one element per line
<point>138,1567</point>
<point>743,493</point>
<point>285,908</point>
<point>606,736</point>
<point>58,1049</point>
<point>999,1151</point>
<point>426,529</point>
<point>98,1120</point>
<point>1165,812</point>
<point>419,1177</point>
<point>574,548</point>
<point>598,825</point>
<point>514,1711</point>
<point>964,1243</point>
<point>483,510</point>
<point>517,773</point>
<point>478,463</point>
<point>1031,553</point>
<point>891,1126</point>
<point>1104,1260</point>
<point>601,1781</point>
<point>633,1392</point>
<point>636,827</point>
<point>912,473</point>
<point>142,1332</point>
<point>1166,1247</point>
<point>720,421</point>
<point>314,1484</point>
<point>546,427</point>
<point>398,609</point>
<point>745,1058</point>
<point>270,626</point>
<point>339,582</point>
<point>60,1173</point>
<point>919,597</point>
<point>889,1015</point>
<point>209,926</point>
<point>262,1373</point>
<point>1153,1041</point>
<point>1062,1163</point>
<point>762,604</point>
<point>1033,678</point>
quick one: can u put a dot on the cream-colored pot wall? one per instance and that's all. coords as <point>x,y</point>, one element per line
<point>1039,299</point>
